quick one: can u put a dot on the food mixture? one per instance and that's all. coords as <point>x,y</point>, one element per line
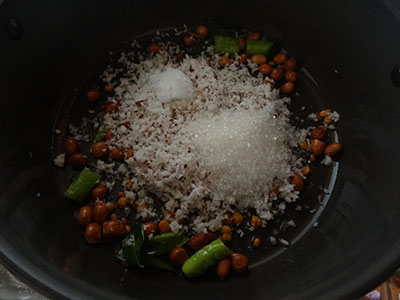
<point>194,135</point>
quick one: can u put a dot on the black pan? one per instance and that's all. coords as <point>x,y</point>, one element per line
<point>348,50</point>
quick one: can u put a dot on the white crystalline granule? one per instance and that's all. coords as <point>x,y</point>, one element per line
<point>171,84</point>
<point>244,152</point>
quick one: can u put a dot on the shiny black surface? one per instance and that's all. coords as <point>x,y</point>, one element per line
<point>349,47</point>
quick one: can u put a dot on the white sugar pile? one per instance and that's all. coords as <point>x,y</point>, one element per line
<point>171,84</point>
<point>206,140</point>
<point>245,152</point>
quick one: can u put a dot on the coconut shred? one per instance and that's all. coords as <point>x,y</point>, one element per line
<point>207,140</point>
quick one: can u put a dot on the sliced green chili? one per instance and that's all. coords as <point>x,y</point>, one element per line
<point>226,44</point>
<point>258,47</point>
<point>81,187</point>
<point>207,256</point>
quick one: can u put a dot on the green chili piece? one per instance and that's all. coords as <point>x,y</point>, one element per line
<point>258,47</point>
<point>81,187</point>
<point>207,256</point>
<point>226,44</point>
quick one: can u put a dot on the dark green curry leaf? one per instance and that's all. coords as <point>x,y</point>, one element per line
<point>132,245</point>
<point>163,243</point>
<point>199,48</point>
<point>157,262</point>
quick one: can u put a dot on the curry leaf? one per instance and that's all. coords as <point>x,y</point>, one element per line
<point>132,244</point>
<point>165,242</point>
<point>100,135</point>
<point>157,262</point>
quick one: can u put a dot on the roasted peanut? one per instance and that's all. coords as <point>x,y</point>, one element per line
<point>113,229</point>
<point>265,69</point>
<point>291,75</point>
<point>306,170</point>
<point>324,113</point>
<point>290,64</point>
<point>317,147</point>
<point>85,215</point>
<point>297,181</point>
<point>226,237</point>
<point>163,226</point>
<point>280,58</point>
<point>224,268</point>
<point>100,212</point>
<point>225,229</point>
<point>277,74</point>
<point>225,60</point>
<point>304,145</point>
<point>116,154</point>
<point>244,57</point>
<point>99,149</point>
<point>333,149</point>
<point>287,87</point>
<point>112,106</point>
<point>242,43</point>
<point>108,135</point>
<point>99,193</point>
<point>318,133</point>
<point>202,31</point>
<point>178,256</point>
<point>237,218</point>
<point>109,88</point>
<point>189,40</point>
<point>93,95</point>
<point>210,236</point>
<point>122,202</point>
<point>255,222</point>
<point>153,48</point>
<point>93,233</point>
<point>198,241</point>
<point>239,262</point>
<point>254,36</point>
<point>259,59</point>
<point>256,242</point>
<point>71,146</point>
<point>77,160</point>
<point>149,228</point>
